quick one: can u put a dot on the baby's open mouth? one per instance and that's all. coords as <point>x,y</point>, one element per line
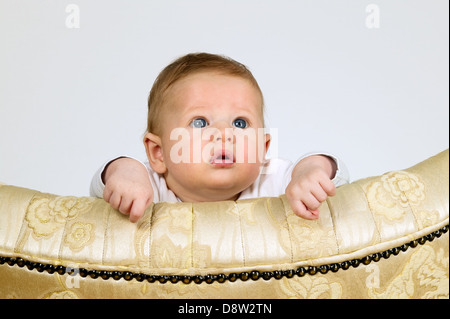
<point>222,158</point>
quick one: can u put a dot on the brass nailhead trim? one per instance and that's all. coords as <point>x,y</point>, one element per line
<point>221,278</point>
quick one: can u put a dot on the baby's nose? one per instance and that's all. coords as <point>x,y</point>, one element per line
<point>225,137</point>
<point>223,133</point>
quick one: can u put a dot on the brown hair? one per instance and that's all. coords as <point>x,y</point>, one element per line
<point>187,65</point>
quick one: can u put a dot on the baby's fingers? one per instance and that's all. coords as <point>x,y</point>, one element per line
<point>107,193</point>
<point>329,187</point>
<point>138,209</point>
<point>119,202</point>
<point>304,212</point>
<point>300,209</point>
<point>125,205</point>
<point>311,201</point>
<point>114,200</point>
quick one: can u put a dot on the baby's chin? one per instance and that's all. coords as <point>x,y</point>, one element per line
<point>222,180</point>
<point>206,182</point>
<point>228,182</point>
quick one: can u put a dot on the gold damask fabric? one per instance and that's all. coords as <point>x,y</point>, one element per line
<point>380,237</point>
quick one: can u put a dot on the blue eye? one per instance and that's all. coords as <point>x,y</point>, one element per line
<point>240,123</point>
<point>199,122</point>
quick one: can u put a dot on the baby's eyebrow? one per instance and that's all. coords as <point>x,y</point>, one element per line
<point>196,109</point>
<point>203,110</point>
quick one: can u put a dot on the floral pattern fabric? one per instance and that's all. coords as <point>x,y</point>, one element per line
<point>366,217</point>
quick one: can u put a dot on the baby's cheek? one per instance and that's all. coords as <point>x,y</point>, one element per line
<point>256,151</point>
<point>251,171</point>
<point>246,148</point>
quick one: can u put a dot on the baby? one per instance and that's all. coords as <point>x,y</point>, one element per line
<point>205,141</point>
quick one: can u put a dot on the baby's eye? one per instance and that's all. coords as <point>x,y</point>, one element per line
<point>199,122</point>
<point>240,123</point>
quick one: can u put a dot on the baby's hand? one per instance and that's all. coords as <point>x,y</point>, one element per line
<point>128,187</point>
<point>310,185</point>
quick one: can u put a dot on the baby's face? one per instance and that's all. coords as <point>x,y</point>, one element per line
<point>212,140</point>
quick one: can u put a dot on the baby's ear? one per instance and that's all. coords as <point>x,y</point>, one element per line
<point>265,143</point>
<point>155,156</point>
<point>267,139</point>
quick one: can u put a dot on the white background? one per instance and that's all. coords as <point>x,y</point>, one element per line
<point>73,98</point>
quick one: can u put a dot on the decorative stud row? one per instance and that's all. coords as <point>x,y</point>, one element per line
<point>244,276</point>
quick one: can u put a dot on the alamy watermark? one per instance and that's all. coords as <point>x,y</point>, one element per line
<point>228,146</point>
<point>373,278</point>
<point>373,17</point>
<point>72,280</point>
<point>73,17</point>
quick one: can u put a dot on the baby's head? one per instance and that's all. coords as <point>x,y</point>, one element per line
<point>205,128</point>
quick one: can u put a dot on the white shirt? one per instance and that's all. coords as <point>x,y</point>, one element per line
<point>272,182</point>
